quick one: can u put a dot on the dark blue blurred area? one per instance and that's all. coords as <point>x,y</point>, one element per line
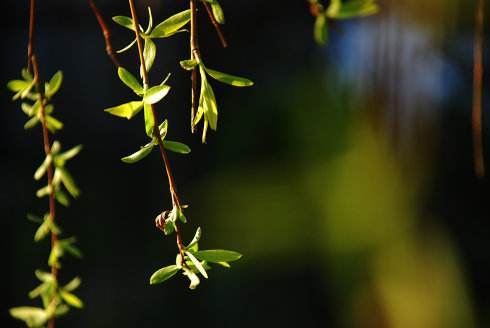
<point>344,176</point>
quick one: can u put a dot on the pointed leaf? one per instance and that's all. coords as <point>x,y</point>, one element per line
<point>197,264</point>
<point>71,299</point>
<point>164,274</point>
<point>176,147</point>
<point>229,79</point>
<point>124,21</point>
<point>171,25</point>
<point>139,155</point>
<point>130,81</point>
<point>155,94</point>
<point>149,120</point>
<point>128,110</point>
<point>217,255</point>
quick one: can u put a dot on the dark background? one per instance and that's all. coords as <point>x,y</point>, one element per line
<point>344,175</point>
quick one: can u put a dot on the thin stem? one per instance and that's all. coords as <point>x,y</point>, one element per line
<point>194,55</point>
<point>156,131</point>
<point>47,151</point>
<point>479,161</point>
<point>215,23</point>
<point>105,32</point>
<point>31,33</point>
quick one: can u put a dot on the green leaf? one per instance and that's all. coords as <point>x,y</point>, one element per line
<point>130,81</point>
<point>163,128</point>
<point>218,12</point>
<point>229,79</point>
<point>208,101</point>
<point>18,85</point>
<point>67,245</point>
<point>31,123</point>
<point>126,48</point>
<point>321,30</point>
<point>62,198</point>
<point>224,264</point>
<point>124,21</point>
<point>353,8</point>
<point>44,191</point>
<point>164,274</point>
<point>53,124</point>
<point>188,64</point>
<point>44,276</point>
<point>150,21</point>
<point>171,25</point>
<point>218,255</point>
<point>149,120</point>
<point>192,277</point>
<point>54,84</point>
<point>41,170</point>
<point>71,299</point>
<point>139,155</point>
<point>195,240</point>
<point>32,316</point>
<point>69,154</point>
<point>73,284</point>
<point>155,94</point>
<point>68,182</point>
<point>43,230</point>
<point>176,147</point>
<point>34,218</point>
<point>197,264</point>
<point>149,53</point>
<point>128,110</point>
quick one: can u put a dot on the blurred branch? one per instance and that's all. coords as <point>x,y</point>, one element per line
<point>479,161</point>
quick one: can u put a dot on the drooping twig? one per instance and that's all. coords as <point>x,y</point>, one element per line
<point>105,32</point>
<point>32,61</point>
<point>156,131</point>
<point>216,25</point>
<point>479,161</point>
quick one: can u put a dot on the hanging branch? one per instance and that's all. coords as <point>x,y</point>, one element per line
<point>105,32</point>
<point>56,299</point>
<point>479,162</point>
<point>194,45</point>
<point>156,132</point>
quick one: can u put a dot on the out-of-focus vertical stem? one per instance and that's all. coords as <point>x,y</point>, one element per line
<point>479,160</point>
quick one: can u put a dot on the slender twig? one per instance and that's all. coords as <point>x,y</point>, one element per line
<point>32,62</point>
<point>105,32</point>
<point>479,161</point>
<point>194,55</point>
<point>47,151</point>
<point>215,23</point>
<point>31,33</point>
<point>156,131</point>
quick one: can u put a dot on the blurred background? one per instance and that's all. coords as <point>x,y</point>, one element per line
<point>344,176</point>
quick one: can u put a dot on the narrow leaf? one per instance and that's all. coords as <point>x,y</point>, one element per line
<point>229,79</point>
<point>155,94</point>
<point>217,255</point>
<point>130,81</point>
<point>176,147</point>
<point>139,155</point>
<point>163,274</point>
<point>171,25</point>
<point>128,110</point>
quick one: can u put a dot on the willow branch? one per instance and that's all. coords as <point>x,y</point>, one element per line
<point>216,25</point>
<point>105,32</point>
<point>31,33</point>
<point>156,131</point>
<point>479,161</point>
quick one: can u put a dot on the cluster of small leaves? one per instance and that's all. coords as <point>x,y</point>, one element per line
<point>149,95</point>
<point>338,9</point>
<point>208,107</point>
<point>56,299</point>
<point>191,261</point>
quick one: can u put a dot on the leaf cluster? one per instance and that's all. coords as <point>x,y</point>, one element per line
<point>338,10</point>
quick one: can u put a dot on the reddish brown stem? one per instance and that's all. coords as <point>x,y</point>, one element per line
<point>156,131</point>
<point>479,161</point>
<point>215,23</point>
<point>31,33</point>
<point>105,32</point>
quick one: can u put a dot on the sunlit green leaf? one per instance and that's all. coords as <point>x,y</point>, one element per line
<point>69,154</point>
<point>62,198</point>
<point>176,147</point>
<point>194,279</point>
<point>171,25</point>
<point>124,21</point>
<point>130,81</point>
<point>164,274</point>
<point>43,168</point>
<point>31,123</point>
<point>54,84</point>
<point>163,128</point>
<point>197,264</point>
<point>73,284</point>
<point>208,101</point>
<point>126,48</point>
<point>195,240</point>
<point>32,316</point>
<point>71,299</point>
<point>68,182</point>
<point>188,64</point>
<point>139,155</point>
<point>128,110</point>
<point>155,94</point>
<point>149,53</point>
<point>217,255</point>
<point>149,120</point>
<point>53,124</point>
<point>229,79</point>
